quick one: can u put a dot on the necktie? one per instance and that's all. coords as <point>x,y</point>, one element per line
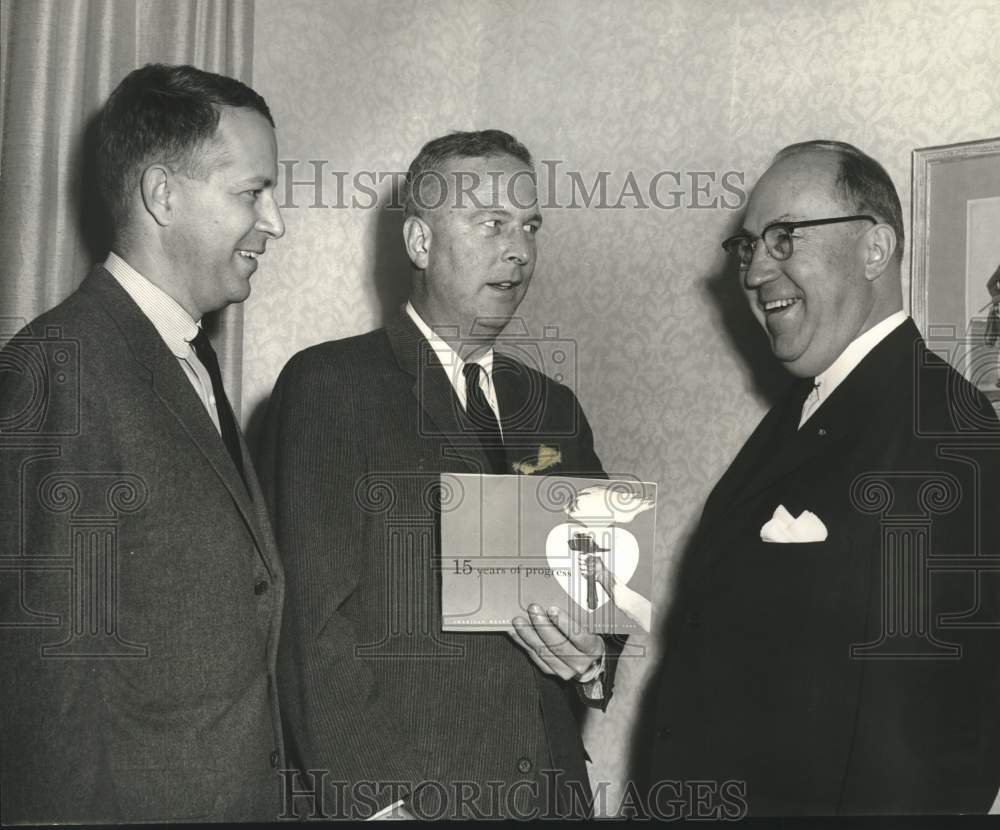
<point>230,434</point>
<point>811,402</point>
<point>483,419</point>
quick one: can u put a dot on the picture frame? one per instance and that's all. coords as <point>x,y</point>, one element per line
<point>955,257</point>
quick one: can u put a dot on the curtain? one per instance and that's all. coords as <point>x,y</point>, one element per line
<point>59,60</point>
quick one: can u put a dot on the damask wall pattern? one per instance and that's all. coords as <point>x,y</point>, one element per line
<point>670,367</point>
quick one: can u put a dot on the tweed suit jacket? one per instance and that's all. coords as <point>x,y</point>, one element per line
<point>821,677</point>
<point>356,435</point>
<point>141,590</point>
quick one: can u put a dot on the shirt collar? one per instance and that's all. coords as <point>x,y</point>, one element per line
<point>453,364</point>
<point>174,325</point>
<point>857,351</point>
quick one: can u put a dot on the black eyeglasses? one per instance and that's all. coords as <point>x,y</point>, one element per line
<point>778,239</point>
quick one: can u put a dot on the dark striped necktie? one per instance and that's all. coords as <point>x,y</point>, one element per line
<point>227,422</point>
<point>484,419</point>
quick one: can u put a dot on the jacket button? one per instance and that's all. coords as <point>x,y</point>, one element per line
<point>260,587</point>
<point>693,621</point>
<point>663,734</point>
<point>274,758</point>
<point>524,765</point>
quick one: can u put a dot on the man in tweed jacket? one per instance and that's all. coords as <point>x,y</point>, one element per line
<point>140,590</point>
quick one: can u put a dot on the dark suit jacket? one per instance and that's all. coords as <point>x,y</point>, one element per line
<point>356,434</point>
<point>140,587</point>
<point>759,683</point>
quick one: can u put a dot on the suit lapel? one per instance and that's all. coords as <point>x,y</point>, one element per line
<point>777,449</point>
<point>775,432</point>
<point>257,506</point>
<point>525,410</point>
<point>169,384</point>
<point>786,450</point>
<point>514,394</point>
<point>440,410</point>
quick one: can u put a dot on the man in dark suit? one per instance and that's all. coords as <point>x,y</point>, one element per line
<point>383,706</point>
<point>844,662</point>
<point>140,585</point>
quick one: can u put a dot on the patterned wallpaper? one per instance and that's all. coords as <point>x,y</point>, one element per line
<point>670,367</point>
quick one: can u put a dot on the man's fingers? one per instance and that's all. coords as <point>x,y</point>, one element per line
<point>582,640</point>
<point>536,633</point>
<point>574,649</point>
<point>554,645</point>
<point>524,635</point>
<point>580,648</point>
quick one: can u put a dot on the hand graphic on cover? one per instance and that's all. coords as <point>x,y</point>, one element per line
<point>634,605</point>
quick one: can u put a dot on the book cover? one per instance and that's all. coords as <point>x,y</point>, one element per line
<point>582,545</point>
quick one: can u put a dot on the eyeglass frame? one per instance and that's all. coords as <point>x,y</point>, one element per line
<point>790,227</point>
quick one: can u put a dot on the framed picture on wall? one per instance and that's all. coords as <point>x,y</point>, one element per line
<point>955,289</point>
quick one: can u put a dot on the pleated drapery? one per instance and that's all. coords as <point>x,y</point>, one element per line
<point>59,60</point>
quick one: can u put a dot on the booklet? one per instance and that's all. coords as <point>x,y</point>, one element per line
<point>582,545</point>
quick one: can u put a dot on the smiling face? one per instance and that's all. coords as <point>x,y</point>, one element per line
<point>474,254</point>
<point>815,303</point>
<point>222,222</point>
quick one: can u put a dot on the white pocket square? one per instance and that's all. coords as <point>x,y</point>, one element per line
<point>783,527</point>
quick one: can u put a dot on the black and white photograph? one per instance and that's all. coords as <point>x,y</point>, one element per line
<point>499,410</point>
<point>956,217</point>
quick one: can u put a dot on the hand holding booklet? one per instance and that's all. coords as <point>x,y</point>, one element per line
<point>572,543</point>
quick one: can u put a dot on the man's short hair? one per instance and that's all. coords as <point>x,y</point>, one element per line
<point>437,152</point>
<point>863,182</point>
<point>161,113</point>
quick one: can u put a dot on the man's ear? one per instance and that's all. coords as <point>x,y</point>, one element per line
<point>155,186</point>
<point>880,247</point>
<point>417,237</point>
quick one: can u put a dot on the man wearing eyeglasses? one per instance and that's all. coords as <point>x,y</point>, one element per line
<point>831,648</point>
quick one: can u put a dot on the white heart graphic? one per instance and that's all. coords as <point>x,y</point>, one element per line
<point>621,558</point>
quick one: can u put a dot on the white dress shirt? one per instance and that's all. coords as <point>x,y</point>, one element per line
<point>857,351</point>
<point>453,365</point>
<point>174,325</point>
